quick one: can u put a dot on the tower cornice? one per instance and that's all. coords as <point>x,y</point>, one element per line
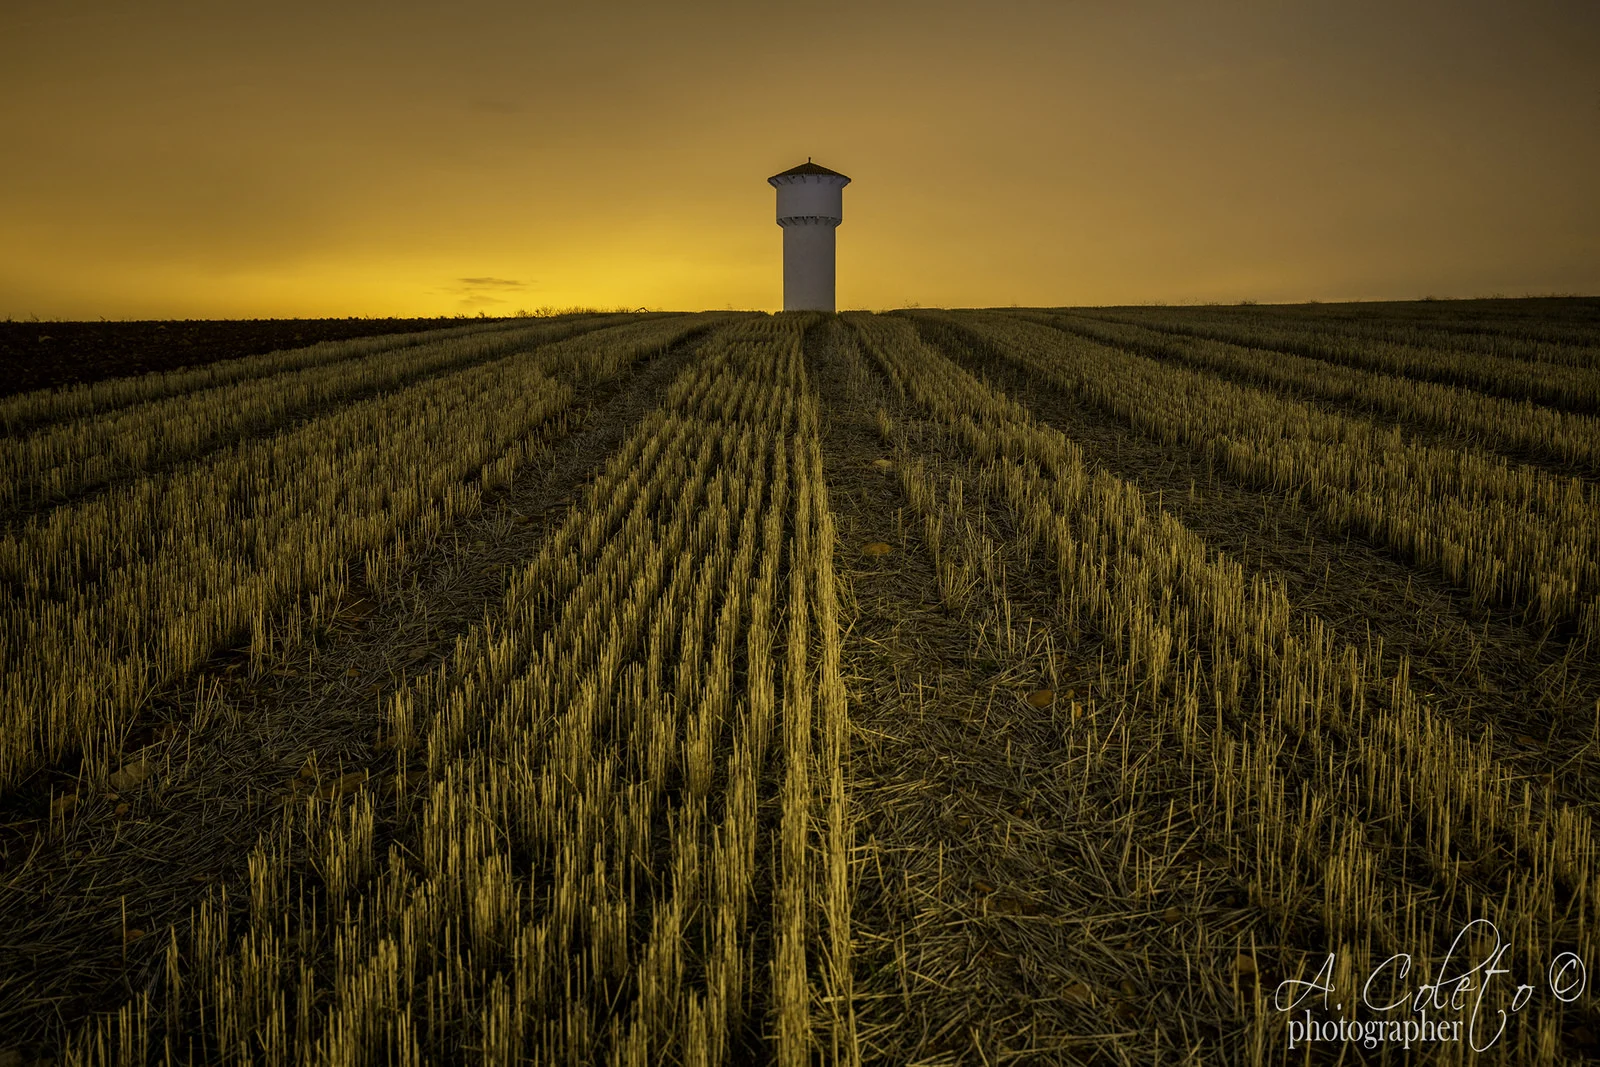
<point>809,220</point>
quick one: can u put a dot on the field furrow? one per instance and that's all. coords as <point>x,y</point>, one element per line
<point>1508,535</point>
<point>1563,377</point>
<point>1479,666</point>
<point>1565,442</point>
<point>606,792</point>
<point>137,587</point>
<point>932,687</point>
<point>58,463</point>
<point>33,410</point>
<point>1552,331</point>
<point>222,756</point>
<point>991,927</point>
<point>1351,812</point>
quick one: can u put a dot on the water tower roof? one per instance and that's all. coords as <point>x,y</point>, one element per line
<point>809,167</point>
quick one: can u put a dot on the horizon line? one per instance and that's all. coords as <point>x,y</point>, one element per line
<point>907,306</point>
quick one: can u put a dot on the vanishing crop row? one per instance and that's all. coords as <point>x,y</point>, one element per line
<point>1509,426</point>
<point>1507,534</point>
<point>581,785</point>
<point>69,457</point>
<point>1577,347</point>
<point>1343,794</point>
<point>1554,332</point>
<point>30,410</point>
<point>1572,387</point>
<point>107,598</point>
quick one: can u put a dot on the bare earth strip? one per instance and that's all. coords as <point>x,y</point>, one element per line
<point>1005,908</point>
<point>1541,696</point>
<point>84,903</point>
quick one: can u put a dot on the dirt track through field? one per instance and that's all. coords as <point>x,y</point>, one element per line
<point>225,752</point>
<point>1000,912</point>
<point>1542,696</point>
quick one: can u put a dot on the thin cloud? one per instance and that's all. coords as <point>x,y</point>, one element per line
<point>476,292</point>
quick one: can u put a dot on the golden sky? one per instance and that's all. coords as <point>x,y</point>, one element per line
<point>198,159</point>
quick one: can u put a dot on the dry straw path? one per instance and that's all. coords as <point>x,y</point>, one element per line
<point>1025,891</point>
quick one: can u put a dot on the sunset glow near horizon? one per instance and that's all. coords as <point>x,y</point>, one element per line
<point>184,160</point>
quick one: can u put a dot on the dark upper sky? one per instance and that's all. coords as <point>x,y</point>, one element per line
<point>186,159</point>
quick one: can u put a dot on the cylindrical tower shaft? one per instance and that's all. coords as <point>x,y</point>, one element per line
<point>810,206</point>
<point>808,264</point>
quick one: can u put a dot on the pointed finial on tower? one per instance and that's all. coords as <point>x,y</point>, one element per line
<point>808,159</point>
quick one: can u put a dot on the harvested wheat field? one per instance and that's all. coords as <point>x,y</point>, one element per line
<point>1100,685</point>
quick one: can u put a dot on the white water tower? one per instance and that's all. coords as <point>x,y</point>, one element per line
<point>810,206</point>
